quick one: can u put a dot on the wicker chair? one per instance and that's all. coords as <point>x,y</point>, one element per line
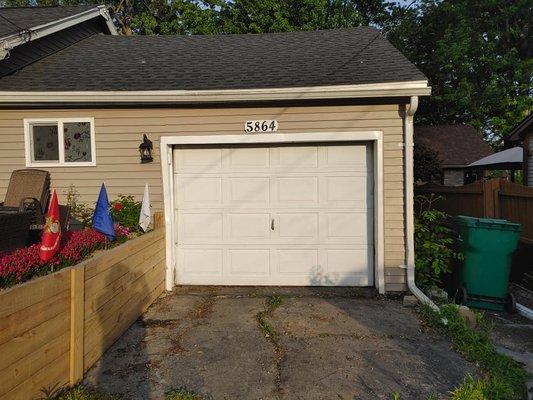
<point>14,230</point>
<point>28,190</point>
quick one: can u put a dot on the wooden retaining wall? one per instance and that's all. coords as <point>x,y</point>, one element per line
<point>54,328</point>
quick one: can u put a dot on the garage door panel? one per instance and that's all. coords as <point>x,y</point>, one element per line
<point>302,190</point>
<point>298,225</point>
<point>355,158</point>
<point>248,157</point>
<point>342,191</point>
<point>194,227</point>
<point>293,157</point>
<point>249,226</point>
<point>205,160</point>
<point>348,226</point>
<point>197,190</point>
<point>297,261</point>
<point>347,261</point>
<point>204,261</point>
<point>249,190</point>
<point>253,261</point>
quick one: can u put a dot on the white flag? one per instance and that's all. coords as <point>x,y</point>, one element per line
<point>146,216</point>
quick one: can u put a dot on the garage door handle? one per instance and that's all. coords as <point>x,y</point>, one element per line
<point>272,224</point>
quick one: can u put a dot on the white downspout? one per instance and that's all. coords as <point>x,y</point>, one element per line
<point>409,203</point>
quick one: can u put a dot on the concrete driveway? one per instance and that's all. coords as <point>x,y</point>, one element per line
<point>243,343</point>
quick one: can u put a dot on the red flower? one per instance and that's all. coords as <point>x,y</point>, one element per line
<point>117,207</point>
<point>23,264</point>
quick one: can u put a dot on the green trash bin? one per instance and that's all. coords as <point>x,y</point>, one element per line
<point>487,246</point>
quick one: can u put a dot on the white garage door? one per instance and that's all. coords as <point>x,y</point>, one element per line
<point>274,215</point>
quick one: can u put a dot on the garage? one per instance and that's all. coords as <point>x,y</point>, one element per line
<point>274,213</point>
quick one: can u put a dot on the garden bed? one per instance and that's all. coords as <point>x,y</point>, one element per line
<point>53,328</point>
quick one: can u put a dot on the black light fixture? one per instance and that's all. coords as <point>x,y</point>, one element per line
<point>145,148</point>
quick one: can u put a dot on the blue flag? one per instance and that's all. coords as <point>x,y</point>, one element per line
<point>102,221</point>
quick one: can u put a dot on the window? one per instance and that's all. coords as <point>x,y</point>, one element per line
<point>60,142</point>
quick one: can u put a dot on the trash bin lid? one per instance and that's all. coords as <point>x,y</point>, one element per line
<point>487,223</point>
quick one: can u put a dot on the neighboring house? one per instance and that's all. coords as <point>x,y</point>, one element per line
<point>318,198</point>
<point>523,134</point>
<point>457,146</point>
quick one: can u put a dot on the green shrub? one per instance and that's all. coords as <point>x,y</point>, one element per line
<point>471,389</point>
<point>125,210</point>
<point>435,244</point>
<point>504,378</point>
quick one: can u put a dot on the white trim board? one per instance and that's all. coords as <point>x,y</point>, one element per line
<point>166,143</point>
<point>373,90</point>
<point>16,39</point>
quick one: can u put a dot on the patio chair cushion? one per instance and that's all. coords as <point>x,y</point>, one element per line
<point>28,183</point>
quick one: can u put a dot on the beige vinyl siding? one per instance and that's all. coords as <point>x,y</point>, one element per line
<point>119,133</point>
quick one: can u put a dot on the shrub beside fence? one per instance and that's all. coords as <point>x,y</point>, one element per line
<point>496,198</point>
<point>54,328</point>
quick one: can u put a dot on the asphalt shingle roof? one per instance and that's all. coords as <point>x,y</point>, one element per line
<point>456,144</point>
<point>13,19</point>
<point>295,59</point>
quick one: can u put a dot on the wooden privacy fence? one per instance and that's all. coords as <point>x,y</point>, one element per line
<point>54,328</point>
<point>496,198</point>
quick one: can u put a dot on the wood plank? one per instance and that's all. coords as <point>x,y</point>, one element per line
<point>32,292</point>
<point>56,373</point>
<point>99,299</point>
<point>33,339</point>
<point>77,308</point>
<point>112,308</point>
<point>102,286</point>
<point>135,261</point>
<point>128,315</point>
<point>21,321</point>
<point>106,260</point>
<point>97,329</point>
<point>24,368</point>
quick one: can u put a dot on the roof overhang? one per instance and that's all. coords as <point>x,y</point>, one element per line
<point>16,39</point>
<point>391,89</point>
<point>507,159</point>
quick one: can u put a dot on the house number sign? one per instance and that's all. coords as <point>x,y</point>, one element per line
<point>261,126</point>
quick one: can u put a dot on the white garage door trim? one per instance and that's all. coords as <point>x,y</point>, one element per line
<point>166,143</point>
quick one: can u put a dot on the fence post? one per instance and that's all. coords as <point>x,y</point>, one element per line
<point>496,195</point>
<point>77,323</point>
<point>159,220</point>
<point>490,192</point>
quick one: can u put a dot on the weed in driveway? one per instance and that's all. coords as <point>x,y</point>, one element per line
<point>184,394</point>
<point>504,378</point>
<point>275,301</point>
<point>272,303</point>
<point>74,393</point>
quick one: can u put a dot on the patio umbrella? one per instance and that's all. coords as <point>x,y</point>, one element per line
<point>507,159</point>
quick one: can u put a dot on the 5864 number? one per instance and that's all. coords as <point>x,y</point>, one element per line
<point>262,126</point>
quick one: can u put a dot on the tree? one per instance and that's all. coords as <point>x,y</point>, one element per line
<point>249,16</point>
<point>477,55</point>
<point>427,164</point>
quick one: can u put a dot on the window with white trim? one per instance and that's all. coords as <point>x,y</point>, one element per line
<point>59,142</point>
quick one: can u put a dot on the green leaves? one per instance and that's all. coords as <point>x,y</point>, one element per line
<point>477,56</point>
<point>504,378</point>
<point>435,245</point>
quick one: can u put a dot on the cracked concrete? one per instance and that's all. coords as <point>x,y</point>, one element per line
<point>329,344</point>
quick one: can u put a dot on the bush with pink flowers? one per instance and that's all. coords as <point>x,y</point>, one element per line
<point>23,264</point>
